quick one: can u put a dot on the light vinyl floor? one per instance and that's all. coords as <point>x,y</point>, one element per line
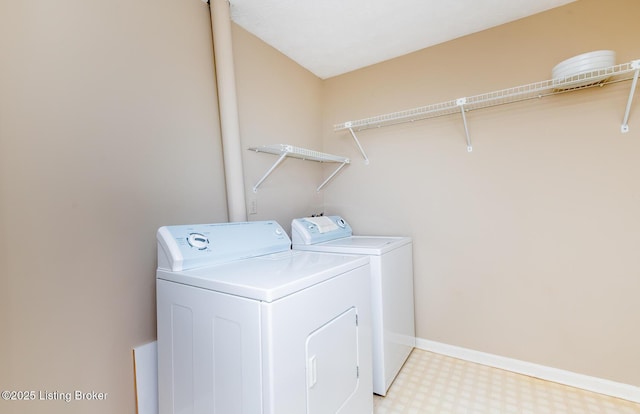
<point>434,383</point>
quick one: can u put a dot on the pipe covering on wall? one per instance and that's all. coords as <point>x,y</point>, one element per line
<point>228,104</point>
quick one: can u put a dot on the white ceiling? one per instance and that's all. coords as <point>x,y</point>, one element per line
<point>332,37</point>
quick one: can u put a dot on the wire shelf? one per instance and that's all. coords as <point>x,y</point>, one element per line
<point>285,150</point>
<point>301,153</point>
<point>583,80</point>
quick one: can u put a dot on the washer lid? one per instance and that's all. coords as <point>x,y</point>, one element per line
<point>270,277</point>
<point>371,245</point>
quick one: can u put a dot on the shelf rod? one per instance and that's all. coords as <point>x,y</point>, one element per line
<point>625,122</point>
<point>330,177</point>
<point>460,102</point>
<point>269,171</point>
<point>355,138</point>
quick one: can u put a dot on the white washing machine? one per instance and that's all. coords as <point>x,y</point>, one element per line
<point>246,325</point>
<point>391,287</point>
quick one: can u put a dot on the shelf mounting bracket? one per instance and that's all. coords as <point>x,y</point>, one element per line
<point>355,138</point>
<point>635,64</point>
<point>331,176</point>
<point>461,102</point>
<point>269,171</point>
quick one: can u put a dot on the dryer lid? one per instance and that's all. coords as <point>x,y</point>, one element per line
<point>270,277</point>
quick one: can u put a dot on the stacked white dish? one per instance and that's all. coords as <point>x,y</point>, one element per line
<point>583,70</point>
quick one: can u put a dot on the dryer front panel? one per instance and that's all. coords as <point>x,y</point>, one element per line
<point>315,330</point>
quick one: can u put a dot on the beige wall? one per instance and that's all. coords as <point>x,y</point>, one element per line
<point>108,130</point>
<point>279,103</point>
<point>526,247</point>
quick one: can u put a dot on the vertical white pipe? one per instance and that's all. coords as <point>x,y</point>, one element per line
<point>228,104</point>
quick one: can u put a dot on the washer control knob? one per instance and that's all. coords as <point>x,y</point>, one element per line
<point>278,231</point>
<point>198,241</point>
<point>341,223</point>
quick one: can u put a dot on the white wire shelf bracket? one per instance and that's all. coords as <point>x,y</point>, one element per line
<point>355,138</point>
<point>618,73</point>
<point>284,150</point>
<point>634,83</point>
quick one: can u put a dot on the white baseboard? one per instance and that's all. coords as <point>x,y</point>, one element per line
<point>598,385</point>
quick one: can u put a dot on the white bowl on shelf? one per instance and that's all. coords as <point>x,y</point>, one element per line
<point>576,71</point>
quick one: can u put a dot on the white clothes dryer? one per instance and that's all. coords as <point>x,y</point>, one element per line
<point>248,326</point>
<point>392,298</point>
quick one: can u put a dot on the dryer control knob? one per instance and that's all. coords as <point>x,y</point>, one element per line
<point>198,241</point>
